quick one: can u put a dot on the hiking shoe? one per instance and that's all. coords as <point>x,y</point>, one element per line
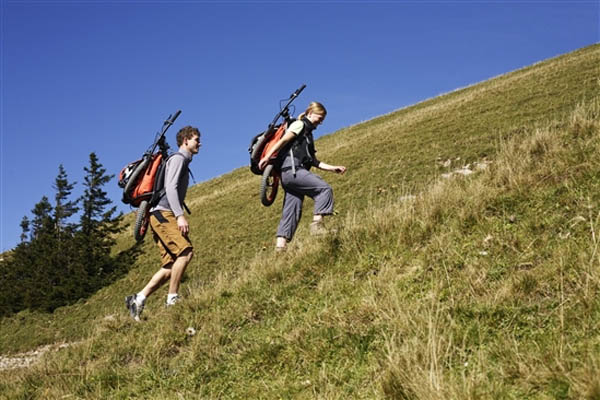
<point>317,228</point>
<point>131,306</point>
<point>135,309</point>
<point>173,301</point>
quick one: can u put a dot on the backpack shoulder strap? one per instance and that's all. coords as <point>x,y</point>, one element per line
<point>188,167</point>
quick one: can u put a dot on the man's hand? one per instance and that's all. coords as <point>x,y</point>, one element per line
<point>183,225</point>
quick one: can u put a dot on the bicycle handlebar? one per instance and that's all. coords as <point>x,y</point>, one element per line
<point>170,120</point>
<point>297,92</point>
<point>284,110</point>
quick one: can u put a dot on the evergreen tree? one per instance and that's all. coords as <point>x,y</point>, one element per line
<point>98,225</point>
<point>24,229</point>
<point>69,275</point>
<point>64,208</point>
<point>42,222</point>
<point>60,263</point>
<point>94,199</point>
<point>12,280</point>
<point>34,264</point>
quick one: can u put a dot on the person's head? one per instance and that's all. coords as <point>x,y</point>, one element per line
<point>315,113</point>
<point>188,137</point>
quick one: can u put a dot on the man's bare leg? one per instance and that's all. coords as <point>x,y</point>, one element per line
<point>178,269</point>
<point>158,279</point>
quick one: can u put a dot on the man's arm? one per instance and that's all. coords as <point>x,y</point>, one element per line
<point>175,167</point>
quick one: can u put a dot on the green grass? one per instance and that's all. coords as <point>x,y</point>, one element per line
<point>472,287</point>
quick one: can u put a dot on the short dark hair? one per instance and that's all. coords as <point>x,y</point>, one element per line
<point>187,132</point>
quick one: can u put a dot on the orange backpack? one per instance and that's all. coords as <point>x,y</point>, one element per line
<point>261,143</point>
<point>143,181</point>
<point>142,178</point>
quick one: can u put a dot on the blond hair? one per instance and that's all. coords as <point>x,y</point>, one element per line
<point>316,108</point>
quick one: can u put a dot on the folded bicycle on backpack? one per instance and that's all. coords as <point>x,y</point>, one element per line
<point>143,180</point>
<point>263,142</point>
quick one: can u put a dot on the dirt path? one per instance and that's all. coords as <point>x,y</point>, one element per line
<point>24,360</point>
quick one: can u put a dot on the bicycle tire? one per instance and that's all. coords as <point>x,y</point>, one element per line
<point>142,219</point>
<point>135,176</point>
<point>269,185</point>
<point>257,148</point>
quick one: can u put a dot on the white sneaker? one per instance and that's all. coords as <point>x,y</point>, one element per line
<point>135,308</point>
<point>173,301</point>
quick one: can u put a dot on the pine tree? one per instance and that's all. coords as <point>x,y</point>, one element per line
<point>98,224</point>
<point>35,265</point>
<point>13,280</point>
<point>69,276</point>
<point>24,229</point>
<point>64,208</point>
<point>94,199</point>
<point>60,263</point>
<point>42,222</point>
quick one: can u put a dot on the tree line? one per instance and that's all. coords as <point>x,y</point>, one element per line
<point>59,261</point>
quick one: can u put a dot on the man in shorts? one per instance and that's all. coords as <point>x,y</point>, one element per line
<point>170,229</point>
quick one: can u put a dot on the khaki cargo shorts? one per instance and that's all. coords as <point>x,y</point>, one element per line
<point>171,243</point>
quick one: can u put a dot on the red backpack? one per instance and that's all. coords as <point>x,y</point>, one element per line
<point>139,178</point>
<point>260,145</point>
<point>143,181</point>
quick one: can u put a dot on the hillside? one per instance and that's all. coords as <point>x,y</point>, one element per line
<point>435,285</point>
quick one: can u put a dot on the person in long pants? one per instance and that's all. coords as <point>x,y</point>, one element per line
<point>297,154</point>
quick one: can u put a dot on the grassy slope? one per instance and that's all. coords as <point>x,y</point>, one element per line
<point>482,287</point>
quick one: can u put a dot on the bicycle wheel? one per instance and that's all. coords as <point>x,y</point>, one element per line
<point>133,179</point>
<point>141,221</point>
<point>257,147</point>
<point>269,185</point>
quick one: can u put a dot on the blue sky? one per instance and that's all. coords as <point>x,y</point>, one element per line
<point>100,76</point>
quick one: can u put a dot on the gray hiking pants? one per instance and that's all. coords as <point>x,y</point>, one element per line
<point>296,187</point>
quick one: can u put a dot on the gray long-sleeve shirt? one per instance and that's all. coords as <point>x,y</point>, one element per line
<point>176,183</point>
